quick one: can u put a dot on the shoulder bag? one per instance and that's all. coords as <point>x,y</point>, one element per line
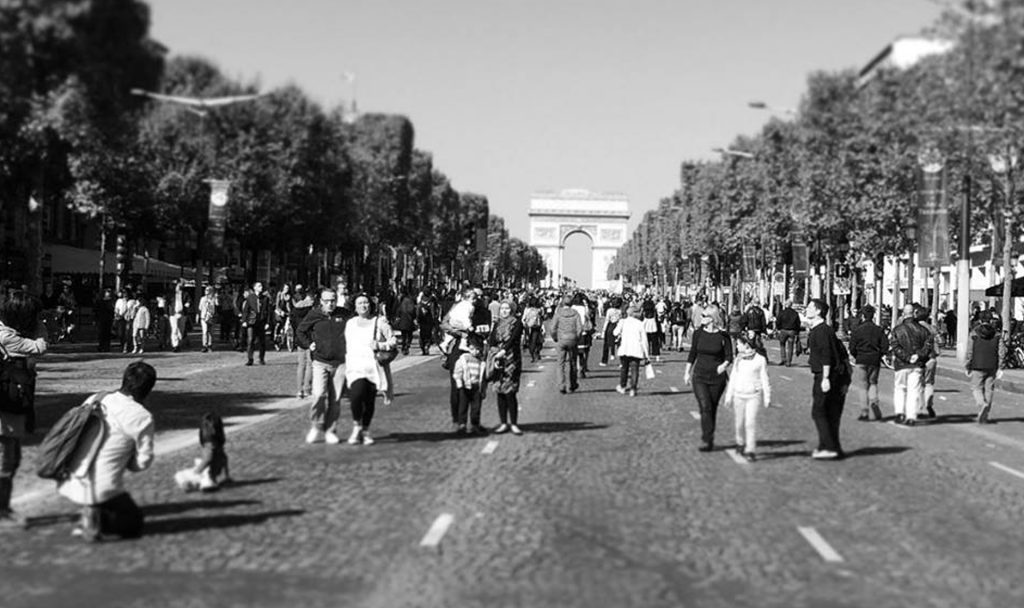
<point>383,356</point>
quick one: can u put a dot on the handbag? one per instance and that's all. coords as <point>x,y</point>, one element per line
<point>649,371</point>
<point>383,356</point>
<point>17,384</point>
<point>493,366</point>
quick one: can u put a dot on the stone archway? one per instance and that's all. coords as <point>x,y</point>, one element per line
<point>556,215</point>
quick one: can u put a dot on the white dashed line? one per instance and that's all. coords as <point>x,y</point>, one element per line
<point>490,447</point>
<point>785,378</point>
<point>696,415</point>
<point>941,398</point>
<point>1003,467</point>
<point>674,389</point>
<point>437,530</point>
<point>657,371</point>
<point>820,545</point>
<point>736,457</point>
<point>531,384</point>
<point>540,367</point>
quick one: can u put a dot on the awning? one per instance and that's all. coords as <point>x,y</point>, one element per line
<point>1016,289</point>
<point>65,259</point>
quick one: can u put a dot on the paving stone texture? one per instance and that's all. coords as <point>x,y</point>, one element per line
<point>604,501</point>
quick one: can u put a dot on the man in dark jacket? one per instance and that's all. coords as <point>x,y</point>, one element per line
<point>256,309</point>
<point>566,330</point>
<point>754,322</point>
<point>787,324</point>
<point>322,331</point>
<point>985,352</point>
<point>828,392</point>
<point>104,312</point>
<point>868,344</point>
<point>910,348</point>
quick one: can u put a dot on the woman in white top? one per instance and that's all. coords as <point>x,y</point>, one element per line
<point>633,347</point>
<point>365,334</point>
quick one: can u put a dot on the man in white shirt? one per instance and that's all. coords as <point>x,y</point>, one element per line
<point>124,444</point>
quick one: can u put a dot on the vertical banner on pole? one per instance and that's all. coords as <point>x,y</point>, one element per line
<point>800,260</point>
<point>687,272</point>
<point>932,217</point>
<point>218,216</point>
<point>749,262</point>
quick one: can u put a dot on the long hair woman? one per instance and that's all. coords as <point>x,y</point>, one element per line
<point>506,338</point>
<point>365,334</point>
<point>710,356</point>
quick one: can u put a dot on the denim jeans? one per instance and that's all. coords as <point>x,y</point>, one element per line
<point>983,387</point>
<point>865,377</point>
<point>304,372</point>
<point>787,342</point>
<point>629,372</point>
<point>567,359</point>
<point>708,395</point>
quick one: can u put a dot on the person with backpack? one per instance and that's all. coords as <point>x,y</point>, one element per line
<point>565,330</point>
<point>830,367</point>
<point>21,342</point>
<point>124,442</point>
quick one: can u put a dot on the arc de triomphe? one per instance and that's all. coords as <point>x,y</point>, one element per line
<point>601,216</point>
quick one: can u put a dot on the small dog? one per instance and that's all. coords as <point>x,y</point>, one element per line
<point>211,470</point>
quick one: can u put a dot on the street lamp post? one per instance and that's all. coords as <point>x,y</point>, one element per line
<point>1005,164</point>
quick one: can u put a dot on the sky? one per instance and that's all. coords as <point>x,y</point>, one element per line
<point>516,96</point>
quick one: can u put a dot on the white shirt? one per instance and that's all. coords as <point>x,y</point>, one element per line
<point>128,445</point>
<point>634,338</point>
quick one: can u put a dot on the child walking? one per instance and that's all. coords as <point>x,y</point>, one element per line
<point>469,380</point>
<point>747,391</point>
<point>211,470</point>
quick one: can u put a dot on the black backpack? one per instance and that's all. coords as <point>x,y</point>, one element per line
<point>17,384</point>
<point>59,448</point>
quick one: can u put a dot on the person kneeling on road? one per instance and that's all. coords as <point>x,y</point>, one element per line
<point>125,444</point>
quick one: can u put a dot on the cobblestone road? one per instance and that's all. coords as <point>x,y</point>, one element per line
<point>604,501</point>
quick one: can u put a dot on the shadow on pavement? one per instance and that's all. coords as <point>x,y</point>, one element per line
<point>877,451</point>
<point>191,524</point>
<point>779,442</point>
<point>171,411</point>
<point>561,427</point>
<point>190,505</point>
<point>239,483</point>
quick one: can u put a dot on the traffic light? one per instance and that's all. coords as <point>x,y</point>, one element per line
<point>468,235</point>
<point>121,250</point>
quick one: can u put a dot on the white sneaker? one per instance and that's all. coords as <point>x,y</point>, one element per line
<point>621,390</point>
<point>353,439</point>
<point>313,435</point>
<point>331,438</point>
<point>367,440</point>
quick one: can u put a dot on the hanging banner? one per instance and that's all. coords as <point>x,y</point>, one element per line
<point>800,261</point>
<point>932,217</point>
<point>218,218</point>
<point>686,272</point>
<point>749,263</point>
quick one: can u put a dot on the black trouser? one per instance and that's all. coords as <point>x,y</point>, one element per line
<point>119,516</point>
<point>470,400</point>
<point>361,395</point>
<point>629,371</point>
<point>609,342</point>
<point>104,328</point>
<point>508,408</point>
<point>827,413</point>
<point>124,333</point>
<point>708,395</point>
<point>654,343</point>
<point>426,337</point>
<point>406,341</point>
<point>226,320</point>
<point>453,395</point>
<point>584,355</point>
<point>787,342</point>
<point>257,333</point>
<point>535,342</point>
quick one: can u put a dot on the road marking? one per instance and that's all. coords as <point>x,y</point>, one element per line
<point>820,545</point>
<point>696,415</point>
<point>736,456</point>
<point>1003,467</point>
<point>490,447</point>
<point>674,389</point>
<point>657,371</point>
<point>531,383</point>
<point>540,367</point>
<point>941,398</point>
<point>785,377</point>
<point>437,530</point>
